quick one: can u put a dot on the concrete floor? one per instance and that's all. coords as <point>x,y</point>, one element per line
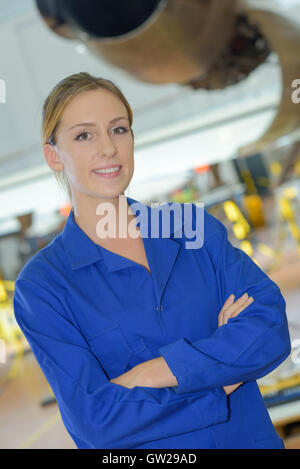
<point>24,423</point>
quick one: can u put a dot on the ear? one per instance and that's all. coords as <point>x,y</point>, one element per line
<point>52,158</point>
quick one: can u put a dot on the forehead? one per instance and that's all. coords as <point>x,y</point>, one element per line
<point>93,104</point>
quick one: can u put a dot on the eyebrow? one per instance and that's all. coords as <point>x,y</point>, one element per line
<point>93,124</point>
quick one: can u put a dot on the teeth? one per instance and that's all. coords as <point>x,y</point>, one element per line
<point>109,170</point>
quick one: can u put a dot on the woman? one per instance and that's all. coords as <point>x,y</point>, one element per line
<point>133,332</point>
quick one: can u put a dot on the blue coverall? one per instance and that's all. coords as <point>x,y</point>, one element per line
<point>90,315</point>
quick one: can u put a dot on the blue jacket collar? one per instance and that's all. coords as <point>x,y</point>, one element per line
<point>161,251</point>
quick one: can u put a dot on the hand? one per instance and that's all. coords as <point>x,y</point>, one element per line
<point>156,373</point>
<point>129,379</point>
<point>230,310</point>
<point>153,373</point>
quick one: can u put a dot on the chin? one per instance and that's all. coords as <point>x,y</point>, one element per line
<point>107,195</point>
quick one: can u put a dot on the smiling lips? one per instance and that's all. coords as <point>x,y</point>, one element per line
<point>111,171</point>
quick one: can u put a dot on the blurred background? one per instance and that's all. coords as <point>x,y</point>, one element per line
<point>215,91</point>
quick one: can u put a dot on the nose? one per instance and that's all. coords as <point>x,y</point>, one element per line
<point>106,146</point>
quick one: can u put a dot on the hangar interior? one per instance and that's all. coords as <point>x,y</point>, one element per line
<point>224,132</point>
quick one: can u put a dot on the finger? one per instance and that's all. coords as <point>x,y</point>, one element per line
<point>230,308</point>
<point>243,307</point>
<point>237,304</point>
<point>232,387</point>
<point>235,307</point>
<point>227,303</point>
<point>231,314</point>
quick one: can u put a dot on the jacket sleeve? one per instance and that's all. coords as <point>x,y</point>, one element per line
<point>96,412</point>
<point>251,344</point>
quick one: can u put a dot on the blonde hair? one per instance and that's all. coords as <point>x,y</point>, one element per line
<point>58,99</point>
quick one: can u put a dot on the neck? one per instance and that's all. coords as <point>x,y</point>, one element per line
<point>117,213</point>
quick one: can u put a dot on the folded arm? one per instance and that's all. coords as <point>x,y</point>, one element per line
<point>96,412</point>
<point>156,372</point>
<point>248,346</point>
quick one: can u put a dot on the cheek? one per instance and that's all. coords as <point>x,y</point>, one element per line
<point>74,165</point>
<point>127,152</point>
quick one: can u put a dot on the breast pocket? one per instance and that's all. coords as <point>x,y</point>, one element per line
<point>116,354</point>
